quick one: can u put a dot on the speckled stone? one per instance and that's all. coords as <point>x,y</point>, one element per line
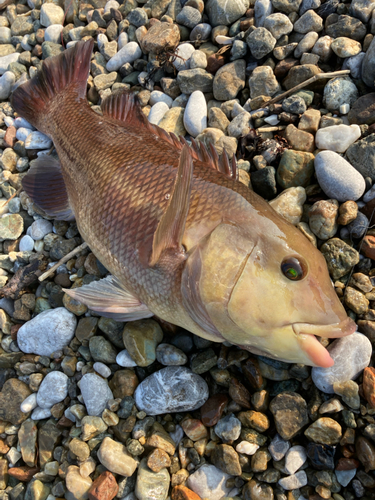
<point>95,393</point>
<point>290,413</point>
<point>151,484</point>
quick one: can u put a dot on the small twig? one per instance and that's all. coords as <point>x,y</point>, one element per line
<point>271,129</point>
<point>62,261</point>
<point>313,79</point>
<point>11,198</point>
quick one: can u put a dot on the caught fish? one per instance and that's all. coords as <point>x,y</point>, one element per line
<point>181,237</point>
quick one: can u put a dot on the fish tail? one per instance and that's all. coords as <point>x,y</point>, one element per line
<point>61,74</point>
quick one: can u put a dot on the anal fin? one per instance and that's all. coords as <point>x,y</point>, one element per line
<point>109,298</point>
<point>45,185</point>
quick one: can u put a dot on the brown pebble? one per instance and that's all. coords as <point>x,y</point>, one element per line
<point>194,429</point>
<point>4,448</point>
<point>158,459</point>
<point>213,408</point>
<point>123,383</point>
<point>368,385</point>
<point>347,464</point>
<point>239,393</point>
<point>24,473</point>
<point>10,136</point>
<point>368,246</point>
<point>214,63</point>
<point>104,487</point>
<point>183,493</point>
<point>365,453</point>
<point>348,212</point>
<point>252,372</point>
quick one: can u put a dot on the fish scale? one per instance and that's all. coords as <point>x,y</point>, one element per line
<point>180,236</point>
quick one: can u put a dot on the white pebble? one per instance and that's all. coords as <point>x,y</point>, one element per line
<point>40,413</point>
<point>53,389</point>
<point>183,53</point>
<point>9,121</point>
<point>124,359</point>
<point>337,137</point>
<point>123,39</point>
<point>37,140</point>
<point>111,4</point>
<point>157,112</point>
<point>5,34</point>
<point>209,482</point>
<point>102,39</point>
<point>53,33</point>
<point>6,83</point>
<point>224,40</point>
<point>40,228</point>
<point>128,54</point>
<point>23,133</point>
<point>246,448</point>
<point>157,96</point>
<point>102,369</point>
<point>272,120</point>
<point>195,115</point>
<point>344,109</point>
<point>26,244</point>
<point>295,481</point>
<point>6,60</point>
<point>29,403</point>
<point>25,43</point>
<point>294,459</point>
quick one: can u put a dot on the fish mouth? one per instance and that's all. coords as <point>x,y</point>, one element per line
<point>306,337</point>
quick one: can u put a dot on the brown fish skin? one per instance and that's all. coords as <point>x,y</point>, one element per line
<point>185,241</point>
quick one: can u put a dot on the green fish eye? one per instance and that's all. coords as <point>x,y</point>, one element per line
<point>293,269</point>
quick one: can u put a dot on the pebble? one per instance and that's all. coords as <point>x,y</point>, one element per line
<point>294,459</point>
<point>323,218</point>
<point>262,9</point>
<point>183,54</point>
<point>102,369</point>
<point>157,96</point>
<point>12,394</point>
<point>339,91</point>
<point>5,61</point>
<point>351,355</point>
<point>295,169</point>
<point>293,482</point>
<point>169,355</point>
<point>37,140</point>
<point>247,448</point>
<point>161,392</point>
<point>340,257</point>
<point>361,156</point>
<point>337,138</point>
<point>7,81</point>
<point>336,176</point>
<point>127,54</point>
<point>77,485</point>
<point>229,80</point>
<point>124,359</point>
<point>53,33</point>
<point>26,244</point>
<point>41,413</point>
<point>195,115</point>
<point>260,42</point>
<point>345,476</point>
<point>40,228</point>
<point>53,389</point>
<point>11,227</point>
<point>95,393</point>
<point>115,457</point>
<point>278,24</point>
<point>29,403</point>
<point>325,430</point>
<point>209,482</point>
<point>157,112</point>
<point>151,484</point>
<point>221,13</point>
<point>51,14</point>
<point>140,339</point>
<point>278,447</point>
<point>48,332</point>
<point>290,413</point>
<point>228,429</point>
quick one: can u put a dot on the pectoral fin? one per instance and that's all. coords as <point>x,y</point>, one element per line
<point>170,231</point>
<point>45,185</point>
<point>111,299</point>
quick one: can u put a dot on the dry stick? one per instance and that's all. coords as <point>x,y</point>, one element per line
<point>11,198</point>
<point>313,79</point>
<point>62,261</point>
<point>271,129</point>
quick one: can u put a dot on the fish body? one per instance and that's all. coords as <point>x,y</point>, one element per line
<point>181,237</point>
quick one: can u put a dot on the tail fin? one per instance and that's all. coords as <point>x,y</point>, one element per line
<point>67,71</point>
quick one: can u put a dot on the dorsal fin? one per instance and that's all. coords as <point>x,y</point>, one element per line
<point>125,107</point>
<point>45,185</point>
<point>170,230</point>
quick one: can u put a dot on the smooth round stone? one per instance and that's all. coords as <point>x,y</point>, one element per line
<point>40,413</point>
<point>6,83</point>
<point>337,137</point>
<point>53,33</point>
<point>51,14</point>
<point>345,47</point>
<point>95,393</point>
<point>6,60</point>
<point>102,369</point>
<point>289,204</point>
<point>111,4</point>
<point>189,17</point>
<point>198,59</point>
<point>278,24</point>
<point>261,42</point>
<point>40,228</point>
<point>116,458</point>
<point>157,112</point>
<point>22,133</point>
<point>247,448</point>
<point>157,96</point>
<point>151,484</point>
<point>209,482</point>
<point>124,359</point>
<point>351,355</point>
<point>201,31</point>
<point>5,34</point>
<point>37,140</point>
<point>137,17</point>
<point>339,91</point>
<point>122,40</point>
<point>29,403</point>
<point>170,390</point>
<point>53,389</point>
<point>26,244</point>
<point>195,115</point>
<point>141,338</point>
<point>169,355</point>
<point>128,54</point>
<point>183,53</point>
<point>338,179</point>
<point>294,459</point>
<point>345,476</point>
<point>48,332</point>
<point>221,12</point>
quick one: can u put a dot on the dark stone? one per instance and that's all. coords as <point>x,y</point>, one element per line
<point>321,456</point>
<point>264,182</point>
<point>48,438</point>
<point>347,26</point>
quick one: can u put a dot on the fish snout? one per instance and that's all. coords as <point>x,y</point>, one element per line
<point>335,330</point>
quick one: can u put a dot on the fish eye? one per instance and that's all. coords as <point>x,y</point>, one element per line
<point>293,268</point>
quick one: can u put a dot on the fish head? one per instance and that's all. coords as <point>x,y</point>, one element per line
<point>267,291</point>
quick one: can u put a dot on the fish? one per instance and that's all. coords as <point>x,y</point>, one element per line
<point>180,236</point>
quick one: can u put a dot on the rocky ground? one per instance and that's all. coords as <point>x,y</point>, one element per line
<point>91,408</point>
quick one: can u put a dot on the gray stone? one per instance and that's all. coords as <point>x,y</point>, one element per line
<point>48,332</point>
<point>229,80</point>
<point>309,4</point>
<point>309,21</point>
<point>189,17</point>
<point>361,156</point>
<point>40,228</point>
<point>95,393</point>
<point>278,24</point>
<point>7,80</point>
<point>294,104</point>
<point>183,54</point>
<point>151,484</point>
<point>295,458</point>
<point>338,179</point>
<point>355,65</point>
<point>53,389</point>
<point>172,389</point>
<point>157,112</point>
<point>6,60</point>
<point>262,9</point>
<point>338,91</point>
<point>169,355</point>
<point>362,9</point>
<point>128,54</point>
<point>222,12</point>
<point>228,428</point>
<point>240,125</point>
<point>53,33</point>
<point>195,79</point>
<point>287,6</point>
<point>11,227</point>
<point>293,482</point>
<point>137,17</point>
<point>51,14</point>
<point>209,482</point>
<point>263,82</point>
<point>261,42</point>
<point>306,44</point>
<point>351,355</point>
<point>278,447</point>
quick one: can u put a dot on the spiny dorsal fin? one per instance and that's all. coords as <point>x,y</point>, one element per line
<point>125,107</point>
<point>170,230</point>
<point>109,297</point>
<point>45,185</point>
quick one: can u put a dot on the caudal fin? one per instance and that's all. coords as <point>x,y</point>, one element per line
<point>66,72</point>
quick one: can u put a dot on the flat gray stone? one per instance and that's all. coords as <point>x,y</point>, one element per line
<point>96,393</point>
<point>53,389</point>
